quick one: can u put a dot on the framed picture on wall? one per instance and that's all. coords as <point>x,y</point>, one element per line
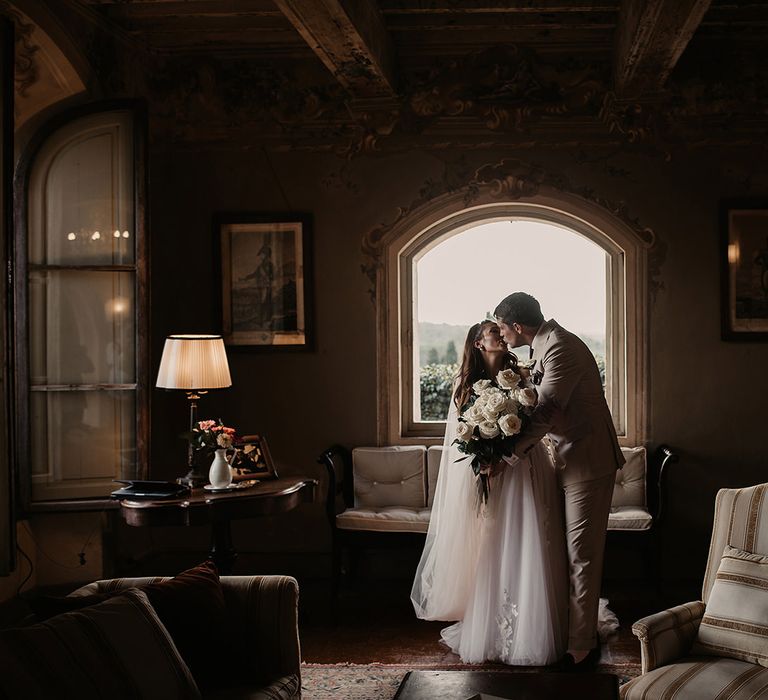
<point>266,281</point>
<point>744,261</point>
<point>251,459</point>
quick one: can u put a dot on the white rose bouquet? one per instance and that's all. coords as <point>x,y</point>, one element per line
<point>496,412</point>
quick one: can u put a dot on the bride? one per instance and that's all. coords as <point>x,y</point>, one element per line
<point>499,568</point>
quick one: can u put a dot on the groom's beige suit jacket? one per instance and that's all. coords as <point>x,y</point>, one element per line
<point>572,409</point>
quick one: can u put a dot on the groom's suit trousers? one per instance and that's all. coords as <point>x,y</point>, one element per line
<point>586,507</point>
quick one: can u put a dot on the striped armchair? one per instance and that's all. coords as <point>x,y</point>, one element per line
<point>669,666</point>
<point>263,615</point>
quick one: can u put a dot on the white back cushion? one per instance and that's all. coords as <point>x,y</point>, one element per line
<point>434,455</point>
<point>630,479</point>
<point>389,476</point>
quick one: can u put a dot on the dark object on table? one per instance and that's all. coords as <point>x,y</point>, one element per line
<point>252,459</point>
<point>149,489</point>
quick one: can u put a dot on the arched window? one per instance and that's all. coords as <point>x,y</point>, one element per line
<point>81,245</point>
<point>585,267</point>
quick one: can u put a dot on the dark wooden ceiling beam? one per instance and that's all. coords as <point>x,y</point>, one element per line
<point>201,8</point>
<point>496,21</point>
<point>349,37</point>
<point>650,38</point>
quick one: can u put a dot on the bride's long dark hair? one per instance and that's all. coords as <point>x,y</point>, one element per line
<point>472,366</point>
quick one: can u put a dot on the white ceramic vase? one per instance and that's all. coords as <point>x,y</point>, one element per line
<point>220,473</point>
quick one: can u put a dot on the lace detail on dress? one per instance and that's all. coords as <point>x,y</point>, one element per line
<point>507,623</point>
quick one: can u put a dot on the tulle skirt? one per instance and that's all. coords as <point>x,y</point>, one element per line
<point>516,610</point>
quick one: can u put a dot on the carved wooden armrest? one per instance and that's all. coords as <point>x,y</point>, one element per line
<point>337,461</point>
<point>668,635</point>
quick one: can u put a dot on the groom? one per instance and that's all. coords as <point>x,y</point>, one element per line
<point>573,412</point>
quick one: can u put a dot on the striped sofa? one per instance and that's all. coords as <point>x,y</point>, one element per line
<point>670,668</point>
<point>263,615</point>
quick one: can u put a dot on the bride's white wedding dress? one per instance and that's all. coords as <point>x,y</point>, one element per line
<point>500,569</point>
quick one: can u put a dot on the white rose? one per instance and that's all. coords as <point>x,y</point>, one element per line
<point>481,384</point>
<point>474,415</point>
<point>496,401</point>
<point>527,396</point>
<point>513,405</point>
<point>508,379</point>
<point>510,424</point>
<point>464,431</point>
<point>224,440</point>
<point>489,429</point>
<point>489,415</point>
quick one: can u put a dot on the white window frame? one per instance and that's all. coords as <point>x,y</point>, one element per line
<point>414,236</point>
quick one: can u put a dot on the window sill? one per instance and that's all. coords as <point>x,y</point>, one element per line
<point>84,505</point>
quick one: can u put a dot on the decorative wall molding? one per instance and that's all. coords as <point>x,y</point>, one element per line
<point>509,179</point>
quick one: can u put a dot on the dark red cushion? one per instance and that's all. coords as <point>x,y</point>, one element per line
<point>191,607</point>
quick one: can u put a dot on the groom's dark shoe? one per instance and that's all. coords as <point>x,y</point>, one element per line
<point>587,664</point>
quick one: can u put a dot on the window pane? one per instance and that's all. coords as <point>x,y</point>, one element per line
<point>81,196</point>
<point>459,281</point>
<point>82,327</point>
<point>81,440</point>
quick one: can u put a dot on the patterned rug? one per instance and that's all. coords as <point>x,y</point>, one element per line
<point>381,681</point>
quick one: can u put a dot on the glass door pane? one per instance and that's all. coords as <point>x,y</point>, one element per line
<point>81,441</point>
<point>81,195</point>
<point>82,327</point>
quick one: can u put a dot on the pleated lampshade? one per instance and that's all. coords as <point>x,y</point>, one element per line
<point>193,362</point>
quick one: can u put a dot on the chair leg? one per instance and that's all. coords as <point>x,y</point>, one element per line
<point>353,563</point>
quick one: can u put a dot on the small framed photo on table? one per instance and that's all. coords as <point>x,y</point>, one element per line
<point>744,269</point>
<point>266,279</point>
<point>252,459</point>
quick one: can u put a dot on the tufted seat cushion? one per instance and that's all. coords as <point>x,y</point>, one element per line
<point>629,489</point>
<point>628,503</point>
<point>694,678</point>
<point>389,476</point>
<point>629,518</point>
<point>387,519</point>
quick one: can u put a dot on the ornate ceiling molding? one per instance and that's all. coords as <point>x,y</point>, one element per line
<point>27,71</point>
<point>650,38</point>
<point>505,95</point>
<point>49,68</point>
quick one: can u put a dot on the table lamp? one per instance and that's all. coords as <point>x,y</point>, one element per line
<point>194,364</point>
